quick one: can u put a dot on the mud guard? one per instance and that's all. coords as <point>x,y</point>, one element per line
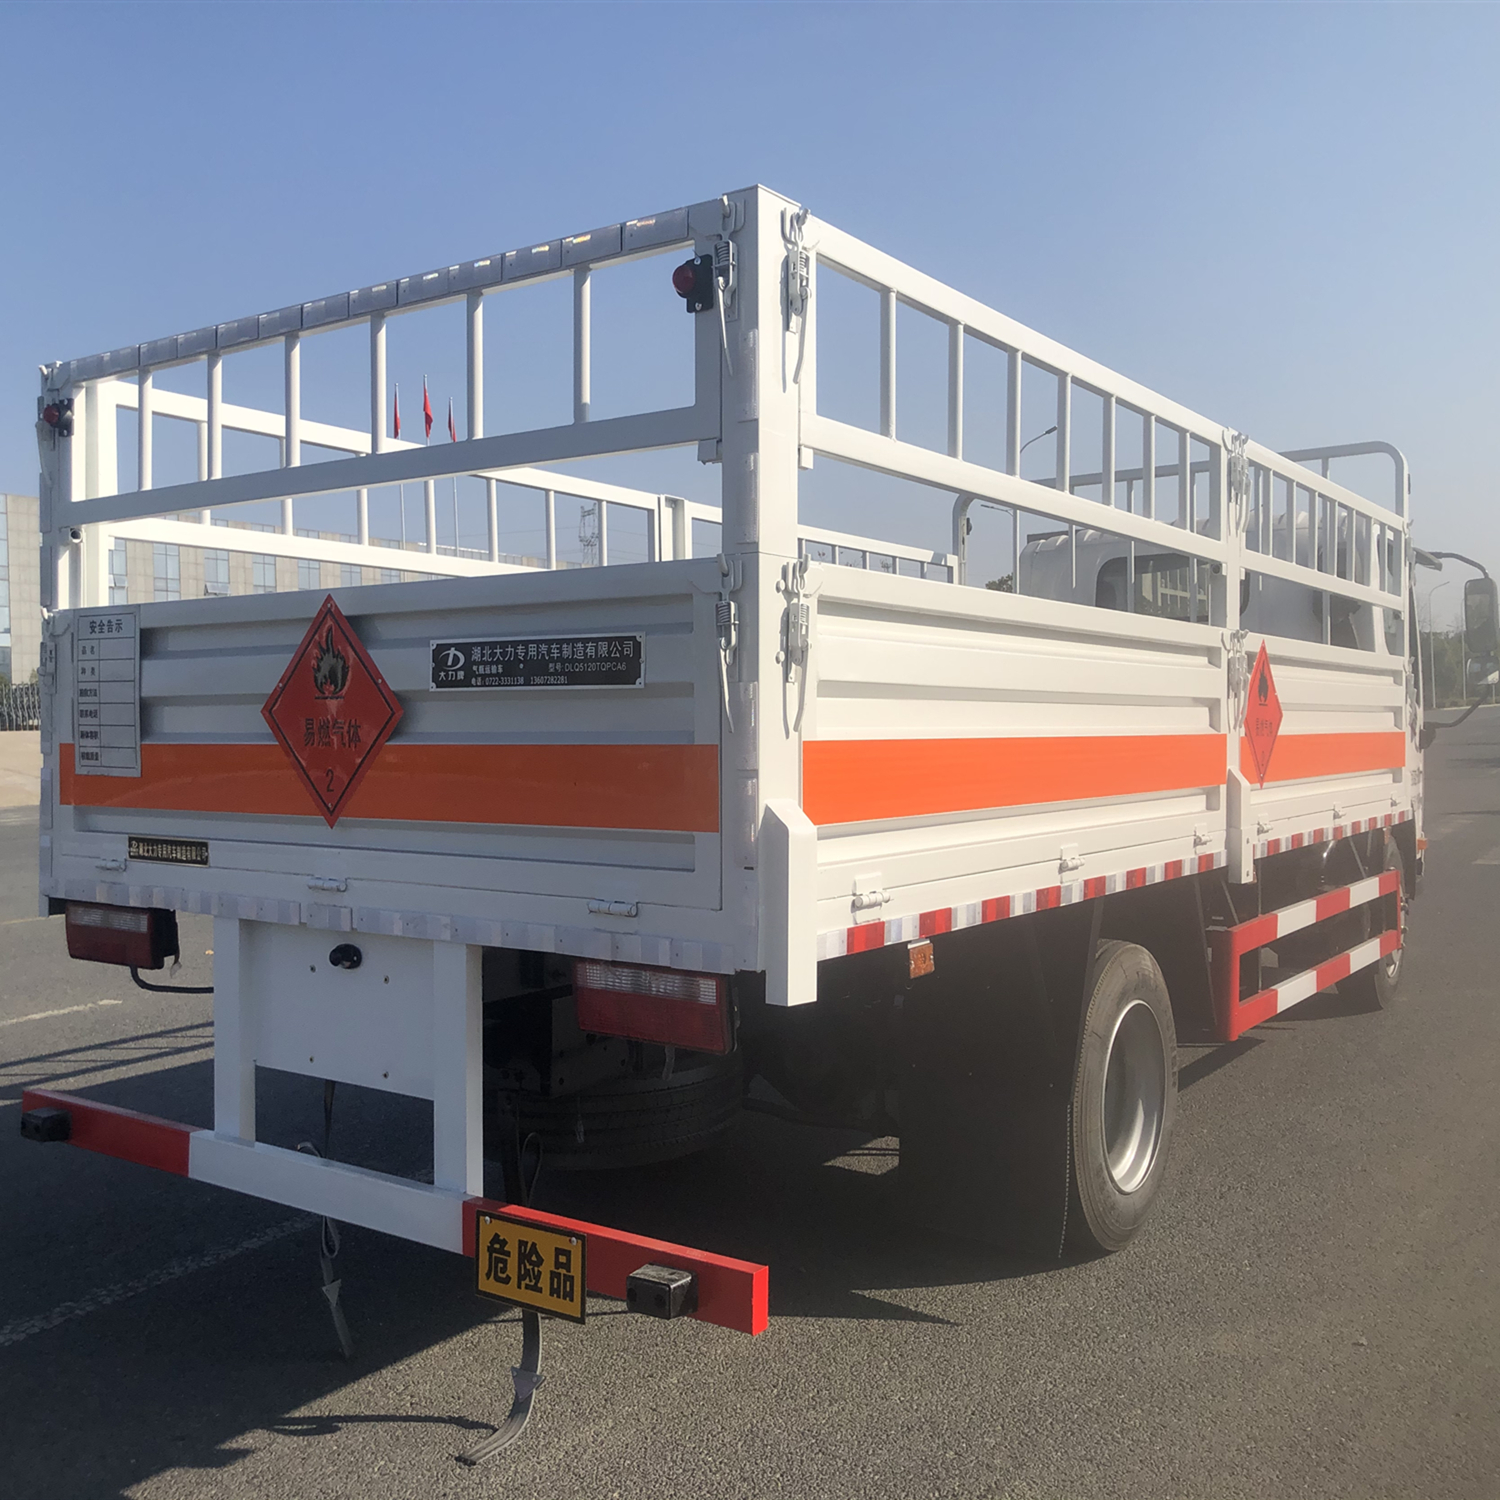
<point>990,1042</point>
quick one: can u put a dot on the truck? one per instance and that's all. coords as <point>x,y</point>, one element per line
<point>578,854</point>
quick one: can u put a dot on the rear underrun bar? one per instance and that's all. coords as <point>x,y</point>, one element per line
<point>732,1293</point>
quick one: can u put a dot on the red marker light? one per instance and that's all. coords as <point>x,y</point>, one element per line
<point>685,278</point>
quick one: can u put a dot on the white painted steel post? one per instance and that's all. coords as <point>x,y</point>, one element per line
<point>474,325</point>
<point>215,415</point>
<point>1148,467</point>
<point>602,510</point>
<point>205,516</point>
<point>362,517</point>
<point>1063,482</point>
<point>234,1044</point>
<point>549,502</point>
<point>143,427</point>
<point>1107,454</point>
<point>377,382</point>
<point>955,390</point>
<point>492,517</point>
<point>1013,419</point>
<point>1185,483</point>
<point>457,1069</point>
<point>888,363</point>
<point>429,505</point>
<point>292,451</point>
<point>582,336</point>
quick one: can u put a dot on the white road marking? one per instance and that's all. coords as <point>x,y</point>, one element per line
<point>121,1291</point>
<point>1492,858</point>
<point>67,1010</point>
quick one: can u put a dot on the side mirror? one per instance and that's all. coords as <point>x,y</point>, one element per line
<point>1481,619</point>
<point>1427,736</point>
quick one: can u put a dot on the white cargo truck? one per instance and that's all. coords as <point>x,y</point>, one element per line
<point>579,853</point>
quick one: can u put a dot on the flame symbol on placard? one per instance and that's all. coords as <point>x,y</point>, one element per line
<point>1262,688</point>
<point>330,669</point>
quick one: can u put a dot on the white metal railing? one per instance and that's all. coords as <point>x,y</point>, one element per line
<point>1356,548</point>
<point>85,482</point>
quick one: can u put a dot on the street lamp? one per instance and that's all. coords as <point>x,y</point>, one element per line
<point>1431,643</point>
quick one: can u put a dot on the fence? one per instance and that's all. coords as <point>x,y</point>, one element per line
<point>20,707</point>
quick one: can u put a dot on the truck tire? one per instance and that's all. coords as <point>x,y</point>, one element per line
<point>1124,1099</point>
<point>1374,988</point>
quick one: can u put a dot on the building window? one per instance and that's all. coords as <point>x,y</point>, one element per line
<point>350,577</point>
<point>119,593</point>
<point>166,574</point>
<point>262,573</point>
<point>390,575</point>
<point>215,572</point>
<point>309,573</point>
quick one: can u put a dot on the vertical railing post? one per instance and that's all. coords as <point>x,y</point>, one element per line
<point>1185,480</point>
<point>215,415</point>
<point>377,420</point>
<point>888,363</point>
<point>204,516</point>
<point>1107,454</point>
<point>602,511</point>
<point>492,517</point>
<point>955,390</point>
<point>474,325</point>
<point>1148,466</point>
<point>550,505</point>
<point>1013,416</point>
<point>429,510</point>
<point>292,448</point>
<point>144,404</point>
<point>582,337</point>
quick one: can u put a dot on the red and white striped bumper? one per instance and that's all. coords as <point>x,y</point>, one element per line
<point>1236,1015</point>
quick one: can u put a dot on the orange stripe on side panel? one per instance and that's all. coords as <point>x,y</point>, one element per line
<point>669,787</point>
<point>1297,756</point>
<point>857,781</point>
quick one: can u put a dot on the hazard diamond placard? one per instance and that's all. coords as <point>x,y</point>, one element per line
<point>1262,714</point>
<point>331,711</point>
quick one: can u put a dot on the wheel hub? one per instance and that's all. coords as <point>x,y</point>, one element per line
<point>1135,1097</point>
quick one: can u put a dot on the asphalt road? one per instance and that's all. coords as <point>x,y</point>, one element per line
<point>1314,1310</point>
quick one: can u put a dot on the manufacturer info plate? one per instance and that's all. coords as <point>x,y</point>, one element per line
<point>540,662</point>
<point>516,1262</point>
<point>168,851</point>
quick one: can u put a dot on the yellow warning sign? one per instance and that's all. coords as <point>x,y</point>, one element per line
<point>533,1267</point>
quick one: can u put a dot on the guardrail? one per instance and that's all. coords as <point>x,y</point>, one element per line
<point>20,707</point>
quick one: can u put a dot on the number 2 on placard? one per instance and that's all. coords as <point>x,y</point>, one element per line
<point>329,774</point>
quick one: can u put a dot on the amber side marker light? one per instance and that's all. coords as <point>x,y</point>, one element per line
<point>653,1005</point>
<point>132,936</point>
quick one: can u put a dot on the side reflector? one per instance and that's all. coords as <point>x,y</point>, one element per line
<point>653,1005</point>
<point>121,934</point>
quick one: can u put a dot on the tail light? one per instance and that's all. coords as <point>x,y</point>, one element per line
<point>653,1005</point>
<point>142,938</point>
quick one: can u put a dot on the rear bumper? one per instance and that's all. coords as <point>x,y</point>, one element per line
<point>731,1293</point>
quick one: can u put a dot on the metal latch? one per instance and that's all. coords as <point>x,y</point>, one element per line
<point>1069,859</point>
<point>327,883</point>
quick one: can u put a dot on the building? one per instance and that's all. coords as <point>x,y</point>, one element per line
<point>142,572</point>
<point>20,588</point>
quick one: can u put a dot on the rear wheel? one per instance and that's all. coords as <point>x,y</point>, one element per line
<point>1375,986</point>
<point>1124,1098</point>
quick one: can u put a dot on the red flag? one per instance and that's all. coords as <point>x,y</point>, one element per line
<point>426,409</point>
<point>452,430</point>
<point>396,413</point>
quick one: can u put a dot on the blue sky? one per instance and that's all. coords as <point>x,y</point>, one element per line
<point>1283,216</point>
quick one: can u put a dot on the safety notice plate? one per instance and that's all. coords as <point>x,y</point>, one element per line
<point>548,661</point>
<point>520,1263</point>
